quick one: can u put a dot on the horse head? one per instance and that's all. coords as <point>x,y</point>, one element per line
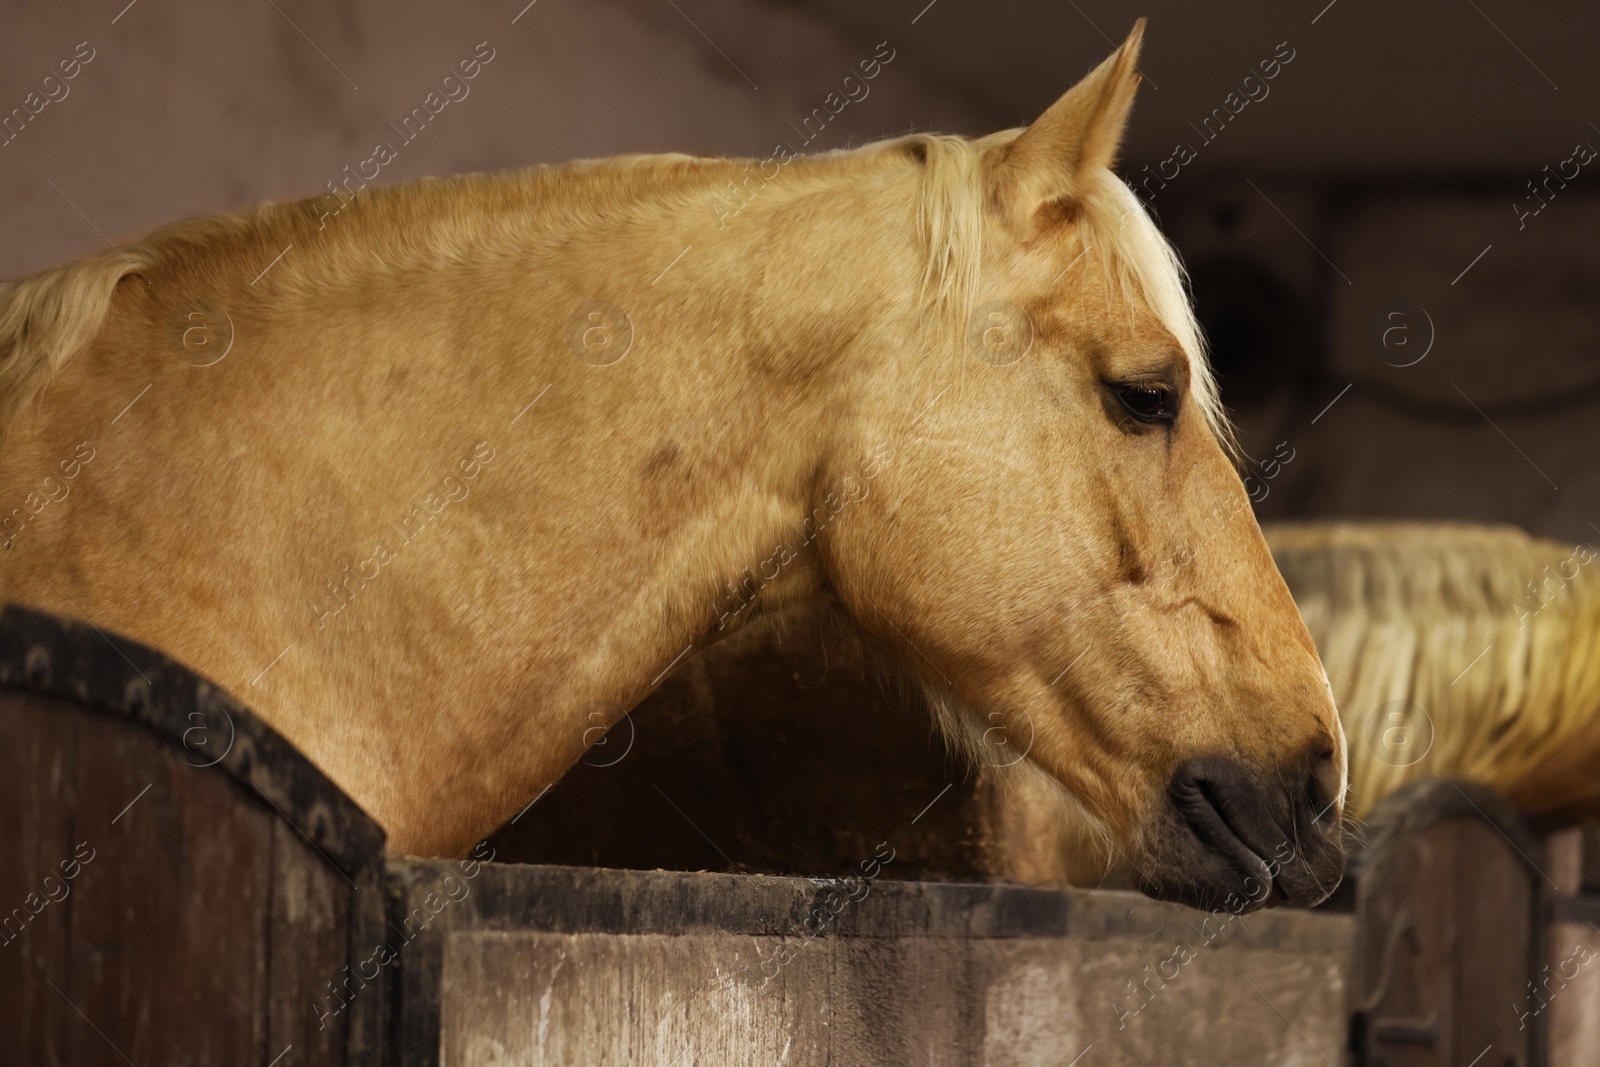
<point>1058,542</point>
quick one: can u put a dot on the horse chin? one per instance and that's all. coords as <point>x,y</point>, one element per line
<point>1187,871</point>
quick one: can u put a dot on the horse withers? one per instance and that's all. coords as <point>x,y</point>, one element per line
<point>446,482</point>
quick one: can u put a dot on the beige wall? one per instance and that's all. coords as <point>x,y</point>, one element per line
<point>193,108</point>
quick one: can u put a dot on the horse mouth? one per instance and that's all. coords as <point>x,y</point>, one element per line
<point>1236,844</point>
<point>1202,812</point>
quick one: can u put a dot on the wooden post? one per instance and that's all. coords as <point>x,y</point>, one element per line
<point>1449,938</point>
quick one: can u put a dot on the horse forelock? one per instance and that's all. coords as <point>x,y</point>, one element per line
<point>1147,264</point>
<point>1129,246</point>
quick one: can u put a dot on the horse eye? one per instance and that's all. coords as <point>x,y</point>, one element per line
<point>1147,403</point>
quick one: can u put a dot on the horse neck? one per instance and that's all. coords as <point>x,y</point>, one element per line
<point>627,513</point>
<point>669,496</point>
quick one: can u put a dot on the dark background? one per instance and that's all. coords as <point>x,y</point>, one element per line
<point>1365,207</point>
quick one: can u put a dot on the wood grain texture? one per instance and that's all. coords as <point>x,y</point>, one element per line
<point>38,794</point>
<point>557,999</point>
<point>549,965</point>
<point>169,948</point>
<point>1572,948</point>
<point>200,931</point>
<point>1449,935</point>
<point>217,880</point>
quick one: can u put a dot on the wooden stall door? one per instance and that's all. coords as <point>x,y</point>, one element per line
<point>178,886</point>
<point>1446,901</point>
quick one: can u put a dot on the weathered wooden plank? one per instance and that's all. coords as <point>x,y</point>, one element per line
<point>43,862</point>
<point>924,957</point>
<point>1498,950</point>
<point>169,949</point>
<point>1045,1002</point>
<point>218,878</point>
<point>910,1000</point>
<point>582,900</point>
<point>609,1000</point>
<point>1446,904</point>
<point>1569,993</point>
<point>1403,984</point>
<point>308,933</point>
<point>544,999</point>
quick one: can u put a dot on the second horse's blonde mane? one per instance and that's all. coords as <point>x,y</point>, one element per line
<point>1454,651</point>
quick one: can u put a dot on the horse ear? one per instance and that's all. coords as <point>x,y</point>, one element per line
<point>1080,131</point>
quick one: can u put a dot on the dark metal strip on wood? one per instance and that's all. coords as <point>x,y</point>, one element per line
<point>91,668</point>
<point>494,896</point>
<point>574,899</point>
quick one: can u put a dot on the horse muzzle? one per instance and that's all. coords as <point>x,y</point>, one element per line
<point>1242,838</point>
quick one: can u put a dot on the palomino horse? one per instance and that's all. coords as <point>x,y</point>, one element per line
<point>446,481</point>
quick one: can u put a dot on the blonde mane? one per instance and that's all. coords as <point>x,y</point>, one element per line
<point>52,316</point>
<point>48,319</point>
<point>1454,651</point>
